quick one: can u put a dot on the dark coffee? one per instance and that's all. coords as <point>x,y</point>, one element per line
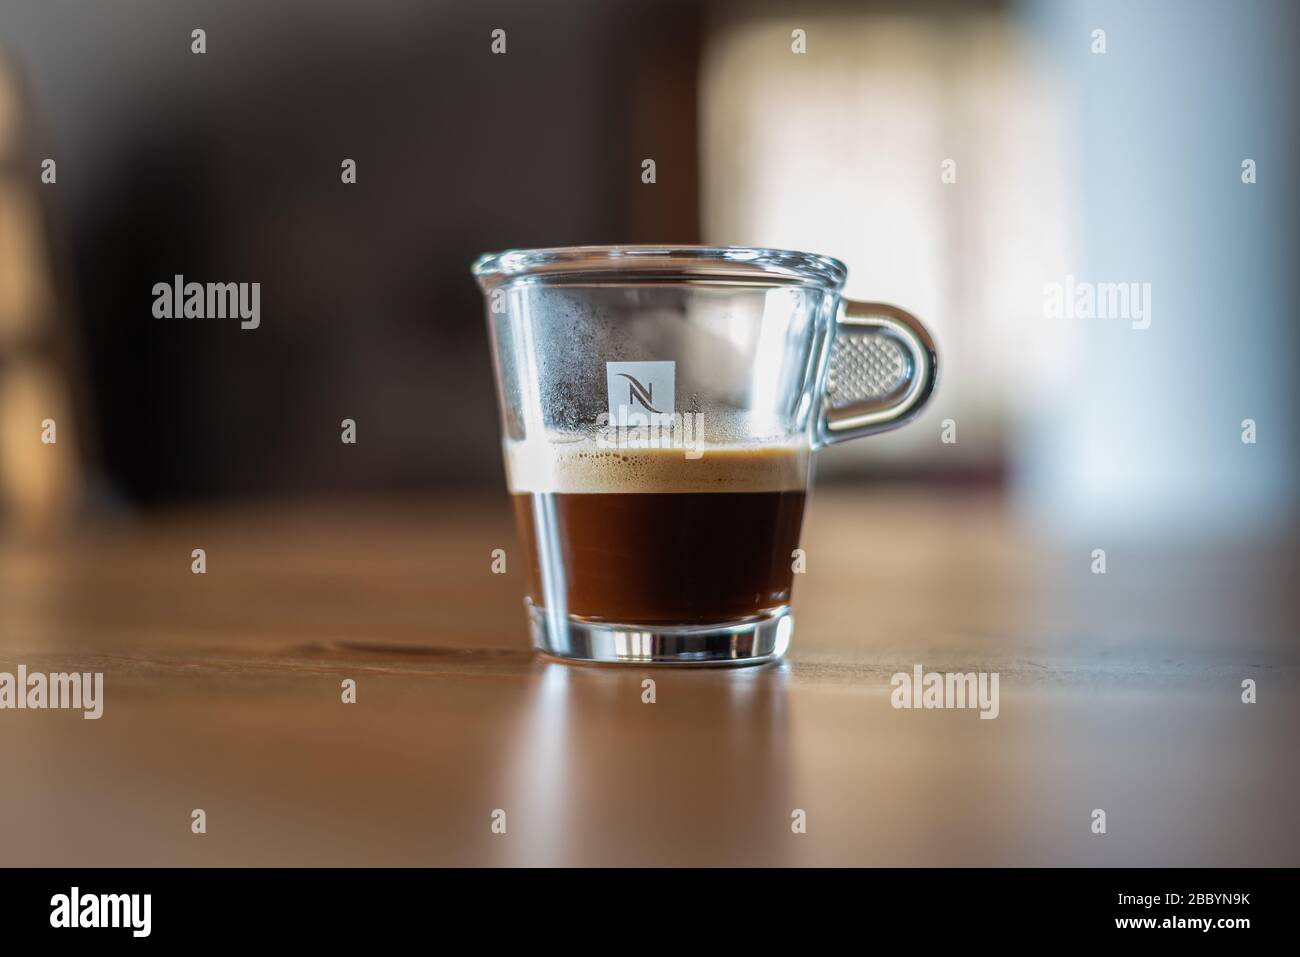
<point>654,538</point>
<point>664,557</point>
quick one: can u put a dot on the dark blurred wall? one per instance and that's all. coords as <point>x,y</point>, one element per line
<point>226,167</point>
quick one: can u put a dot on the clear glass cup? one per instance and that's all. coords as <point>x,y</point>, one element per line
<point>659,408</point>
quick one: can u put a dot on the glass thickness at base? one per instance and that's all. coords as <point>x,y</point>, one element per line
<point>748,641</point>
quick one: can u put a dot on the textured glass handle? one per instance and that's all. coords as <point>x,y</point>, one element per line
<point>882,372</point>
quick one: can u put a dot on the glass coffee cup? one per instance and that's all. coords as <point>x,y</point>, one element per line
<point>659,409</point>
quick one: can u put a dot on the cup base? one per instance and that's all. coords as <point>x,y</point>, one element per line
<point>745,641</point>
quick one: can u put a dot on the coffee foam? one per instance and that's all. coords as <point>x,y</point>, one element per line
<point>584,468</point>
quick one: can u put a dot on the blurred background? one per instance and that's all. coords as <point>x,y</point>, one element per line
<point>1060,161</point>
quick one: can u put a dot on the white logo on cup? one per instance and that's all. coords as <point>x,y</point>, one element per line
<point>640,393</point>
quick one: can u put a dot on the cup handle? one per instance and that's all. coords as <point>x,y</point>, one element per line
<point>881,373</point>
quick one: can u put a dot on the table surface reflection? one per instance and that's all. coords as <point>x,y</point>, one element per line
<point>223,692</point>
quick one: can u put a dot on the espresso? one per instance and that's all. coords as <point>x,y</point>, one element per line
<point>652,537</point>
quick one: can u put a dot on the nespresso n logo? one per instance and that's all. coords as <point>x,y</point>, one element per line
<point>642,410</point>
<point>645,394</point>
<point>643,390</point>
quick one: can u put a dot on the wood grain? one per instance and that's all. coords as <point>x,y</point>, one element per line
<point>1119,692</point>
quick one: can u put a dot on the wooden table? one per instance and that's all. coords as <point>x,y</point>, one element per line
<point>223,692</point>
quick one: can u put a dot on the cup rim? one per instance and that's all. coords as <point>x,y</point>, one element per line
<point>736,263</point>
